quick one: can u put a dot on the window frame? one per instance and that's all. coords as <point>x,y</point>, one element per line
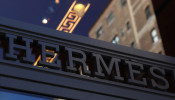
<point>116,41</point>
<point>110,18</point>
<point>99,31</point>
<point>148,12</point>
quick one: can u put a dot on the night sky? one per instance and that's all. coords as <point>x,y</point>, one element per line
<point>33,11</point>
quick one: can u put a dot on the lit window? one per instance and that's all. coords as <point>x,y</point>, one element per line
<point>123,3</point>
<point>99,32</point>
<point>110,18</point>
<point>154,36</point>
<point>128,25</point>
<point>148,12</point>
<point>115,40</point>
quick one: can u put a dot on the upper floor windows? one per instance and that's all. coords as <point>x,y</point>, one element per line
<point>115,40</point>
<point>99,32</point>
<point>154,35</point>
<point>123,2</point>
<point>160,52</point>
<point>122,32</point>
<point>110,18</point>
<point>128,26</point>
<point>147,12</point>
<point>132,44</point>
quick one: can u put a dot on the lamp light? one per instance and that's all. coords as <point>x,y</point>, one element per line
<point>79,9</point>
<point>44,21</point>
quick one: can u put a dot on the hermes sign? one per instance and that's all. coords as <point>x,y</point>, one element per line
<point>86,63</point>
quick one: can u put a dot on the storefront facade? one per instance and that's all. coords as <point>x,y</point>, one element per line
<point>50,63</point>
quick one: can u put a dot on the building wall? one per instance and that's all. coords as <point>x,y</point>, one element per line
<point>138,34</point>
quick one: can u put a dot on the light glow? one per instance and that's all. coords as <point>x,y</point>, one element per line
<point>57,1</point>
<point>72,17</point>
<point>79,9</point>
<point>87,7</point>
<point>44,21</point>
<point>48,59</point>
<point>66,15</point>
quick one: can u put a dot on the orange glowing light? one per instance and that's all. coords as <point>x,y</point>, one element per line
<point>48,59</point>
<point>79,9</point>
<point>75,25</point>
<point>36,62</point>
<point>69,20</point>
<point>66,15</point>
<point>72,17</point>
<point>57,1</point>
<point>87,7</point>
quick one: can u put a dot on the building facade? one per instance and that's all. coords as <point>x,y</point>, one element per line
<point>38,63</point>
<point>109,72</point>
<point>130,23</point>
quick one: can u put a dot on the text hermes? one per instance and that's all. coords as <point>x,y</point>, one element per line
<point>87,63</point>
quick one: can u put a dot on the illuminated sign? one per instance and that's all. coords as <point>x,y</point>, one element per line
<point>59,57</point>
<point>72,17</point>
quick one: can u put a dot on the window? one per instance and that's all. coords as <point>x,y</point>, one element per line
<point>110,18</point>
<point>115,40</point>
<point>122,32</point>
<point>160,52</point>
<point>99,32</point>
<point>132,44</point>
<point>147,12</point>
<point>128,25</point>
<point>123,2</point>
<point>154,35</point>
